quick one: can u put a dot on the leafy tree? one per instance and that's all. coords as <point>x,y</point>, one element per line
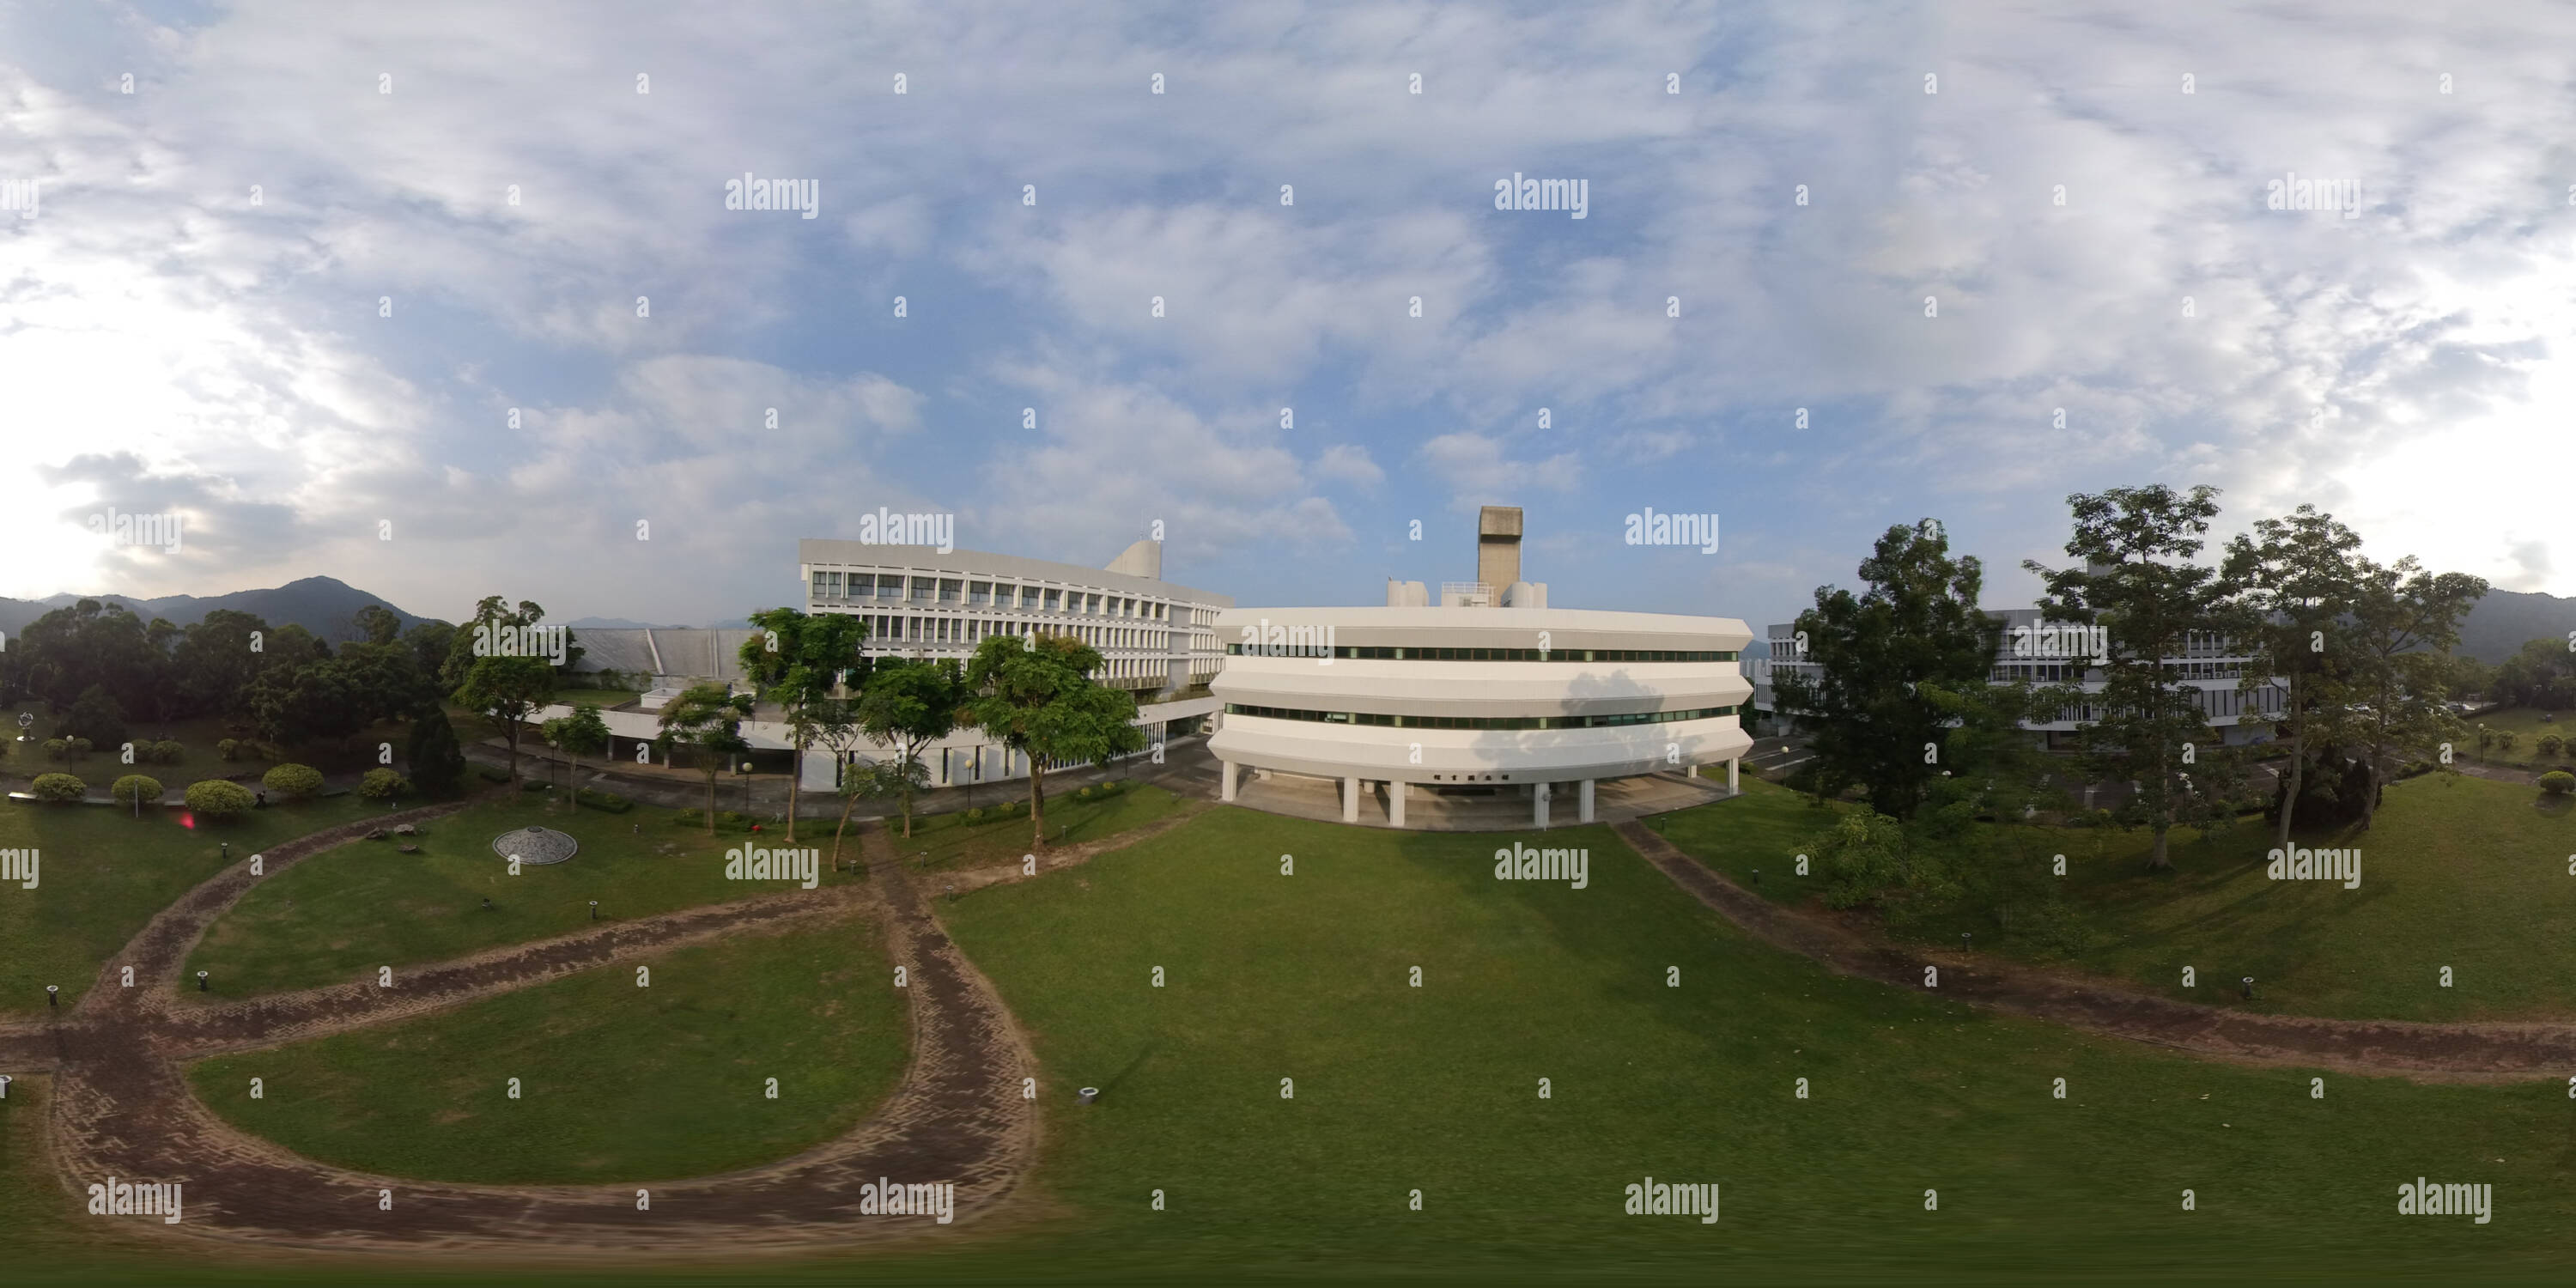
<point>91,644</point>
<point>2135,580</point>
<point>583,733</point>
<point>478,638</point>
<point>908,705</point>
<point>803,664</point>
<point>292,782</point>
<point>215,660</point>
<point>2541,674</point>
<point>216,799</point>
<point>136,790</point>
<point>709,721</point>
<point>507,691</point>
<point>375,624</point>
<point>876,780</point>
<point>2299,581</point>
<point>95,716</point>
<point>1916,628</point>
<point>437,763</point>
<point>2404,621</point>
<point>1035,695</point>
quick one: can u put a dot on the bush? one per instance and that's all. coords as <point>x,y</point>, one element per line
<point>168,752</point>
<point>972,816</point>
<point>292,782</point>
<point>2548,745</point>
<point>2558,782</point>
<point>57,750</point>
<point>534,785</point>
<point>136,789</point>
<point>608,802</point>
<point>733,818</point>
<point>215,798</point>
<point>382,784</point>
<point>228,749</point>
<point>59,788</point>
<point>492,773</point>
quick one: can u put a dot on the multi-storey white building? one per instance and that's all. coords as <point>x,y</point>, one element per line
<point>1489,690</point>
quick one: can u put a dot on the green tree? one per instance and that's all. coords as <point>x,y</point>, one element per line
<point>707,720</point>
<point>437,763</point>
<point>2298,578</point>
<point>2135,580</point>
<point>908,705</point>
<point>376,624</point>
<point>215,660</point>
<point>1036,696</point>
<point>804,664</point>
<point>583,733</point>
<point>875,780</point>
<point>97,717</point>
<point>1880,656</point>
<point>507,691</point>
<point>2404,621</point>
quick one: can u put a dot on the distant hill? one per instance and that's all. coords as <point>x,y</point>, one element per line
<point>323,605</point>
<point>2505,620</point>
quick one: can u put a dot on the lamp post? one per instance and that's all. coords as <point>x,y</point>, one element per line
<point>594,910</point>
<point>53,995</point>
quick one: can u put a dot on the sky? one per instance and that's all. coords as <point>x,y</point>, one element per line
<point>446,300</point>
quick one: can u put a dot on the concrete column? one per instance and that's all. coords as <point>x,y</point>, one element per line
<point>1225,790</point>
<point>1350,800</point>
<point>1730,774</point>
<point>1583,804</point>
<point>1538,804</point>
<point>1395,792</point>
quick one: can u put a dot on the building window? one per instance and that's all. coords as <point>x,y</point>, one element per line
<point>949,589</point>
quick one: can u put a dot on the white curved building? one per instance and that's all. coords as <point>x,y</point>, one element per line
<point>1525,697</point>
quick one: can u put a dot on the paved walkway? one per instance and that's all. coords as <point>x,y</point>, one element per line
<point>2429,1052</point>
<point>122,1106</point>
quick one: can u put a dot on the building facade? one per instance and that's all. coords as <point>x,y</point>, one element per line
<point>1491,689</point>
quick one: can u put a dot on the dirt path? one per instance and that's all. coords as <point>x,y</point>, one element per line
<point>122,1106</point>
<point>2428,1052</point>
<point>962,880</point>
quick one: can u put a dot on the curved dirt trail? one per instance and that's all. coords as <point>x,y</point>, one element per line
<point>122,1107</point>
<point>2431,1052</point>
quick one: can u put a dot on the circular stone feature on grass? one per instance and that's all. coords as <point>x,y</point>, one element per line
<point>536,845</point>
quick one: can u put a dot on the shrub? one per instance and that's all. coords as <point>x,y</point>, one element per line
<point>2558,782</point>
<point>733,818</point>
<point>608,802</point>
<point>136,789</point>
<point>2505,739</point>
<point>972,816</point>
<point>382,784</point>
<point>228,749</point>
<point>492,773</point>
<point>690,818</point>
<point>215,798</point>
<point>168,752</point>
<point>534,785</point>
<point>59,788</point>
<point>57,750</point>
<point>2548,745</point>
<point>292,781</point>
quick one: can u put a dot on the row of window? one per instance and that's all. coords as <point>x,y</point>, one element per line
<point>1375,652</point>
<point>833,584</point>
<point>1477,722</point>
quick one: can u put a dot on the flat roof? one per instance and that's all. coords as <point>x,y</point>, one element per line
<point>983,563</point>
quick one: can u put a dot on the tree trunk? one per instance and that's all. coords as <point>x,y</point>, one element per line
<point>2298,771</point>
<point>795,774</point>
<point>514,755</point>
<point>849,802</point>
<point>711,801</point>
<point>1037,802</point>
<point>2157,859</point>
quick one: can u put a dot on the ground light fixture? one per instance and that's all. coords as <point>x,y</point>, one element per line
<point>594,910</point>
<point>201,981</point>
<point>1088,1094</point>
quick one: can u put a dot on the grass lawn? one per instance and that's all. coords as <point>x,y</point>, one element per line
<point>600,698</point>
<point>617,1083</point>
<point>344,913</point>
<point>2527,726</point>
<point>953,843</point>
<point>102,874</point>
<point>2460,872</point>
<point>1435,1088</point>
<point>198,735</point>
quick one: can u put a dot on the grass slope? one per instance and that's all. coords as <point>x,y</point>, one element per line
<point>951,842</point>
<point>1436,1088</point>
<point>618,1083</point>
<point>345,912</point>
<point>2461,872</point>
<point>102,874</point>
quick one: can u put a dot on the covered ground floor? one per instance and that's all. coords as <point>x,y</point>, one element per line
<point>1473,807</point>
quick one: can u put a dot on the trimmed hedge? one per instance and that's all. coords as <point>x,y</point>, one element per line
<point>381,784</point>
<point>59,788</point>
<point>493,773</point>
<point>228,749</point>
<point>292,781</point>
<point>137,789</point>
<point>2558,782</point>
<point>218,799</point>
<point>606,802</point>
<point>534,785</point>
